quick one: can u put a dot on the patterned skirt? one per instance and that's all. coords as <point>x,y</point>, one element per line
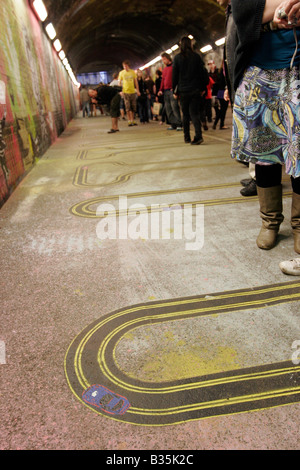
<point>266,118</point>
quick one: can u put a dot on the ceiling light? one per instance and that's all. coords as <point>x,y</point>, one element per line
<point>57,45</point>
<point>190,36</point>
<point>169,51</point>
<point>220,42</point>
<point>62,55</point>
<point>50,31</point>
<point>175,47</point>
<point>65,61</point>
<point>40,9</point>
<point>152,62</point>
<point>206,49</point>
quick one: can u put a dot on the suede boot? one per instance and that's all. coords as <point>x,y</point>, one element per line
<point>270,200</point>
<point>295,221</point>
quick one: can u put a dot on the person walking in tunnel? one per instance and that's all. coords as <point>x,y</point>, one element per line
<point>156,88</point>
<point>130,89</point>
<point>171,104</point>
<point>150,94</point>
<point>115,81</point>
<point>213,73</point>
<point>142,99</point>
<point>206,104</point>
<point>190,79</point>
<point>84,101</point>
<point>110,96</point>
<point>222,106</point>
<point>266,114</point>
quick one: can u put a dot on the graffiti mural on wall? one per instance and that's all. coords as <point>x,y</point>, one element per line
<point>37,98</point>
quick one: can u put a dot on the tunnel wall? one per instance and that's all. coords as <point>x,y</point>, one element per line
<point>37,97</point>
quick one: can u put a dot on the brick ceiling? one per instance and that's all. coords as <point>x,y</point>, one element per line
<point>100,34</point>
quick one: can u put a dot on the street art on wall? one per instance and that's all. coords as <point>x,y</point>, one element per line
<point>37,98</point>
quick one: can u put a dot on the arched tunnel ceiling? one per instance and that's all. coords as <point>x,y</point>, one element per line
<point>99,34</point>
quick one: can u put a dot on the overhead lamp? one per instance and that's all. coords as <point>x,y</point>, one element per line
<point>68,67</point>
<point>65,61</point>
<point>40,9</point>
<point>220,42</point>
<point>206,48</point>
<point>62,55</point>
<point>157,59</point>
<point>190,36</point>
<point>152,62</point>
<point>57,45</point>
<point>50,31</point>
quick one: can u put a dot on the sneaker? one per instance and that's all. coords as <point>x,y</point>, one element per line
<point>291,267</point>
<point>171,128</point>
<point>250,189</point>
<point>197,141</point>
<point>179,128</point>
<point>112,131</point>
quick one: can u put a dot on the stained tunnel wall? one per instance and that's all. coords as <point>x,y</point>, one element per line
<point>37,97</point>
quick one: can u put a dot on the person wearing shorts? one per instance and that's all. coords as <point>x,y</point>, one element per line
<point>130,89</point>
<point>110,96</point>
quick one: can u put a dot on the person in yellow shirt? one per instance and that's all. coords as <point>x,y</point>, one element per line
<point>130,88</point>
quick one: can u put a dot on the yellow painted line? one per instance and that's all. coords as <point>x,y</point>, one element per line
<point>187,420</point>
<point>190,408</point>
<point>121,151</point>
<point>105,369</point>
<point>81,174</point>
<point>215,403</point>
<point>92,214</point>
<point>210,187</point>
<point>101,359</point>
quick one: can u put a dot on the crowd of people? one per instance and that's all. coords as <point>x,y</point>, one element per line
<point>148,99</point>
<point>259,76</point>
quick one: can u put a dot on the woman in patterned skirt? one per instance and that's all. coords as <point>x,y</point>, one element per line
<point>266,115</point>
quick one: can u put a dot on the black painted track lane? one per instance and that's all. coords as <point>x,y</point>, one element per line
<point>90,360</point>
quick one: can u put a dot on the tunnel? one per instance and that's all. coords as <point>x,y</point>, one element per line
<point>99,36</point>
<point>137,312</point>
<point>94,36</point>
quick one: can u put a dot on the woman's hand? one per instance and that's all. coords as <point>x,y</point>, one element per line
<point>292,10</point>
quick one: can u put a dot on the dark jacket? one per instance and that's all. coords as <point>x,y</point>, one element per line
<point>106,93</point>
<point>189,73</point>
<point>247,16</point>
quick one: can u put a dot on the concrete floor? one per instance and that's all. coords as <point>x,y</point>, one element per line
<point>60,281</point>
